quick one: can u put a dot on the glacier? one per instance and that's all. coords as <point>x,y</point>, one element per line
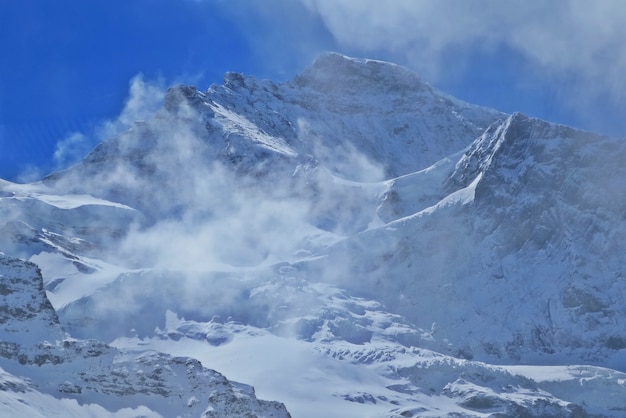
<point>352,242</point>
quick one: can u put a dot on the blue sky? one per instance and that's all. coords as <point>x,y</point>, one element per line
<point>67,67</point>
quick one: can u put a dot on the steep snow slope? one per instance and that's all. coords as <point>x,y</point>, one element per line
<point>521,259</point>
<point>351,242</point>
<point>36,218</point>
<point>361,120</point>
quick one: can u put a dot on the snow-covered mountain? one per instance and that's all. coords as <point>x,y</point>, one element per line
<point>44,368</point>
<point>351,243</point>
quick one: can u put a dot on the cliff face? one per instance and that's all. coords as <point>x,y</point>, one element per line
<point>318,238</point>
<point>521,234</point>
<point>34,345</point>
<point>27,319</point>
<point>363,121</point>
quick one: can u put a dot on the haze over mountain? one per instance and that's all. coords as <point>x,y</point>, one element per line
<point>352,242</point>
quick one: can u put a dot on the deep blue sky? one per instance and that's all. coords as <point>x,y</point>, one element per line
<point>66,66</point>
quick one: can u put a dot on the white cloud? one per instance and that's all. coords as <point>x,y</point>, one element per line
<point>29,174</point>
<point>580,40</point>
<point>71,149</point>
<point>144,99</point>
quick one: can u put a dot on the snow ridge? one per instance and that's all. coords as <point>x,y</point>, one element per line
<point>351,242</point>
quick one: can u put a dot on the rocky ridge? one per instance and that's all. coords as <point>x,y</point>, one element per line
<point>34,345</point>
<point>353,218</point>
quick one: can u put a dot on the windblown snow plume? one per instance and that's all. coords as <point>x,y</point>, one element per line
<point>351,242</point>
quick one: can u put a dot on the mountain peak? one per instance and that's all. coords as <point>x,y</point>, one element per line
<point>333,71</point>
<point>342,224</point>
<point>177,95</point>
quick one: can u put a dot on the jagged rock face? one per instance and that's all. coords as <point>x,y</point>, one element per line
<point>340,107</point>
<point>564,209</point>
<point>26,315</point>
<point>354,215</point>
<point>511,241</point>
<point>360,120</point>
<point>33,344</point>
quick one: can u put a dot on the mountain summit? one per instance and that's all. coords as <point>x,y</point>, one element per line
<point>352,242</point>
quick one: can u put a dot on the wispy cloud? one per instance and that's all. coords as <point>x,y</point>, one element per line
<point>577,40</point>
<point>71,149</point>
<point>144,99</point>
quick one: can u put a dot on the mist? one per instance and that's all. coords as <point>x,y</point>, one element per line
<point>350,219</point>
<point>573,49</point>
<point>215,215</point>
<point>241,186</point>
<point>252,202</point>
